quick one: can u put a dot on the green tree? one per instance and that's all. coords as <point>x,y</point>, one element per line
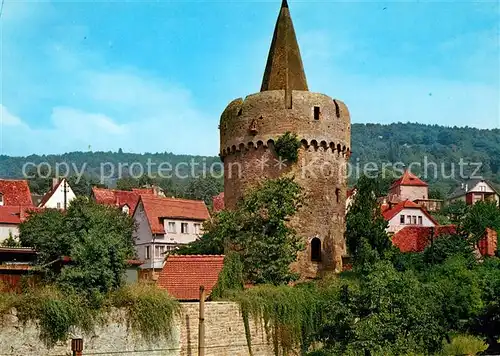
<point>365,234</point>
<point>258,230</point>
<point>204,188</point>
<point>127,183</point>
<point>455,212</point>
<point>480,216</point>
<point>97,239</point>
<point>444,247</point>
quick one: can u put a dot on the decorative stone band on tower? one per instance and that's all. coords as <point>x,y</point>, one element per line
<point>250,127</point>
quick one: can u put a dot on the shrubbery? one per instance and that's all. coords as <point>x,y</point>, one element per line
<point>149,311</point>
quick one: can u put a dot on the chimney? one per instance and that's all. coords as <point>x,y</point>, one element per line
<point>488,243</point>
<point>55,182</point>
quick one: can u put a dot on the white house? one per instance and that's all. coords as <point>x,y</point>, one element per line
<point>407,213</point>
<point>475,190</point>
<point>59,196</point>
<point>165,223</point>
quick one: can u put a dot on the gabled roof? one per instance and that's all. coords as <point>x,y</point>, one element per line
<point>416,238</point>
<point>218,202</point>
<point>470,184</point>
<point>182,276</point>
<point>284,68</point>
<point>410,179</point>
<point>407,204</point>
<point>15,192</point>
<point>15,215</point>
<point>157,208</point>
<point>120,198</point>
<point>51,192</point>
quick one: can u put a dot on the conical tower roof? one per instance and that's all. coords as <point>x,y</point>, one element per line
<point>284,68</point>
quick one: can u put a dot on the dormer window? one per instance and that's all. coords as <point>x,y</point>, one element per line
<point>1,199</point>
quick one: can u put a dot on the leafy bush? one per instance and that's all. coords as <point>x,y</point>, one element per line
<point>231,277</point>
<point>290,315</point>
<point>149,311</point>
<point>97,238</point>
<point>287,147</point>
<point>448,246</point>
<point>464,345</point>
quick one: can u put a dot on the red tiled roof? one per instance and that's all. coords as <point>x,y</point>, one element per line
<point>218,202</point>
<point>15,214</point>
<point>157,208</point>
<point>416,238</point>
<point>407,204</point>
<point>409,178</point>
<point>120,198</point>
<point>182,276</point>
<point>15,192</point>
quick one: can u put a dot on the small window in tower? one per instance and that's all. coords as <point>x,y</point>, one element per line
<point>316,113</point>
<point>337,109</point>
<point>316,250</point>
<point>240,112</point>
<point>337,193</point>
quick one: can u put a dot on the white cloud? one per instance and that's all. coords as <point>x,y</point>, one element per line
<point>107,109</point>
<point>8,119</point>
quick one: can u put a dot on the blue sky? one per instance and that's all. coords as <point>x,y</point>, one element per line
<point>155,75</point>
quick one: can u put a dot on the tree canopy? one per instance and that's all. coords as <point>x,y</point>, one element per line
<point>96,238</point>
<point>258,231</point>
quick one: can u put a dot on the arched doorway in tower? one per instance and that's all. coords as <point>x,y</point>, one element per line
<point>316,250</point>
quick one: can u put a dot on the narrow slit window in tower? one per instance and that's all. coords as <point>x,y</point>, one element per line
<point>316,250</point>
<point>316,113</point>
<point>337,194</point>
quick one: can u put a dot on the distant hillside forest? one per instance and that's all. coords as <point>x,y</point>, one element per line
<point>441,148</point>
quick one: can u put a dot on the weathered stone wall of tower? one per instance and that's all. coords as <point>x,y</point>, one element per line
<point>248,130</point>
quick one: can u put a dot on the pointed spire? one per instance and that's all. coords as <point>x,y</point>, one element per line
<point>284,68</point>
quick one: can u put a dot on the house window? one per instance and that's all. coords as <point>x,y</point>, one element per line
<point>58,205</point>
<point>126,209</point>
<point>482,188</point>
<point>184,228</point>
<point>414,220</point>
<point>408,219</point>
<point>402,219</point>
<point>159,250</point>
<point>147,254</point>
<point>316,250</point>
<point>316,113</point>
<point>1,199</point>
<point>420,220</point>
<point>197,228</point>
<point>171,227</point>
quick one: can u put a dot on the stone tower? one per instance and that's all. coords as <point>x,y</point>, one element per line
<point>249,127</point>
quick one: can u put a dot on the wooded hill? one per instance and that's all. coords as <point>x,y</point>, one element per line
<point>399,142</point>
